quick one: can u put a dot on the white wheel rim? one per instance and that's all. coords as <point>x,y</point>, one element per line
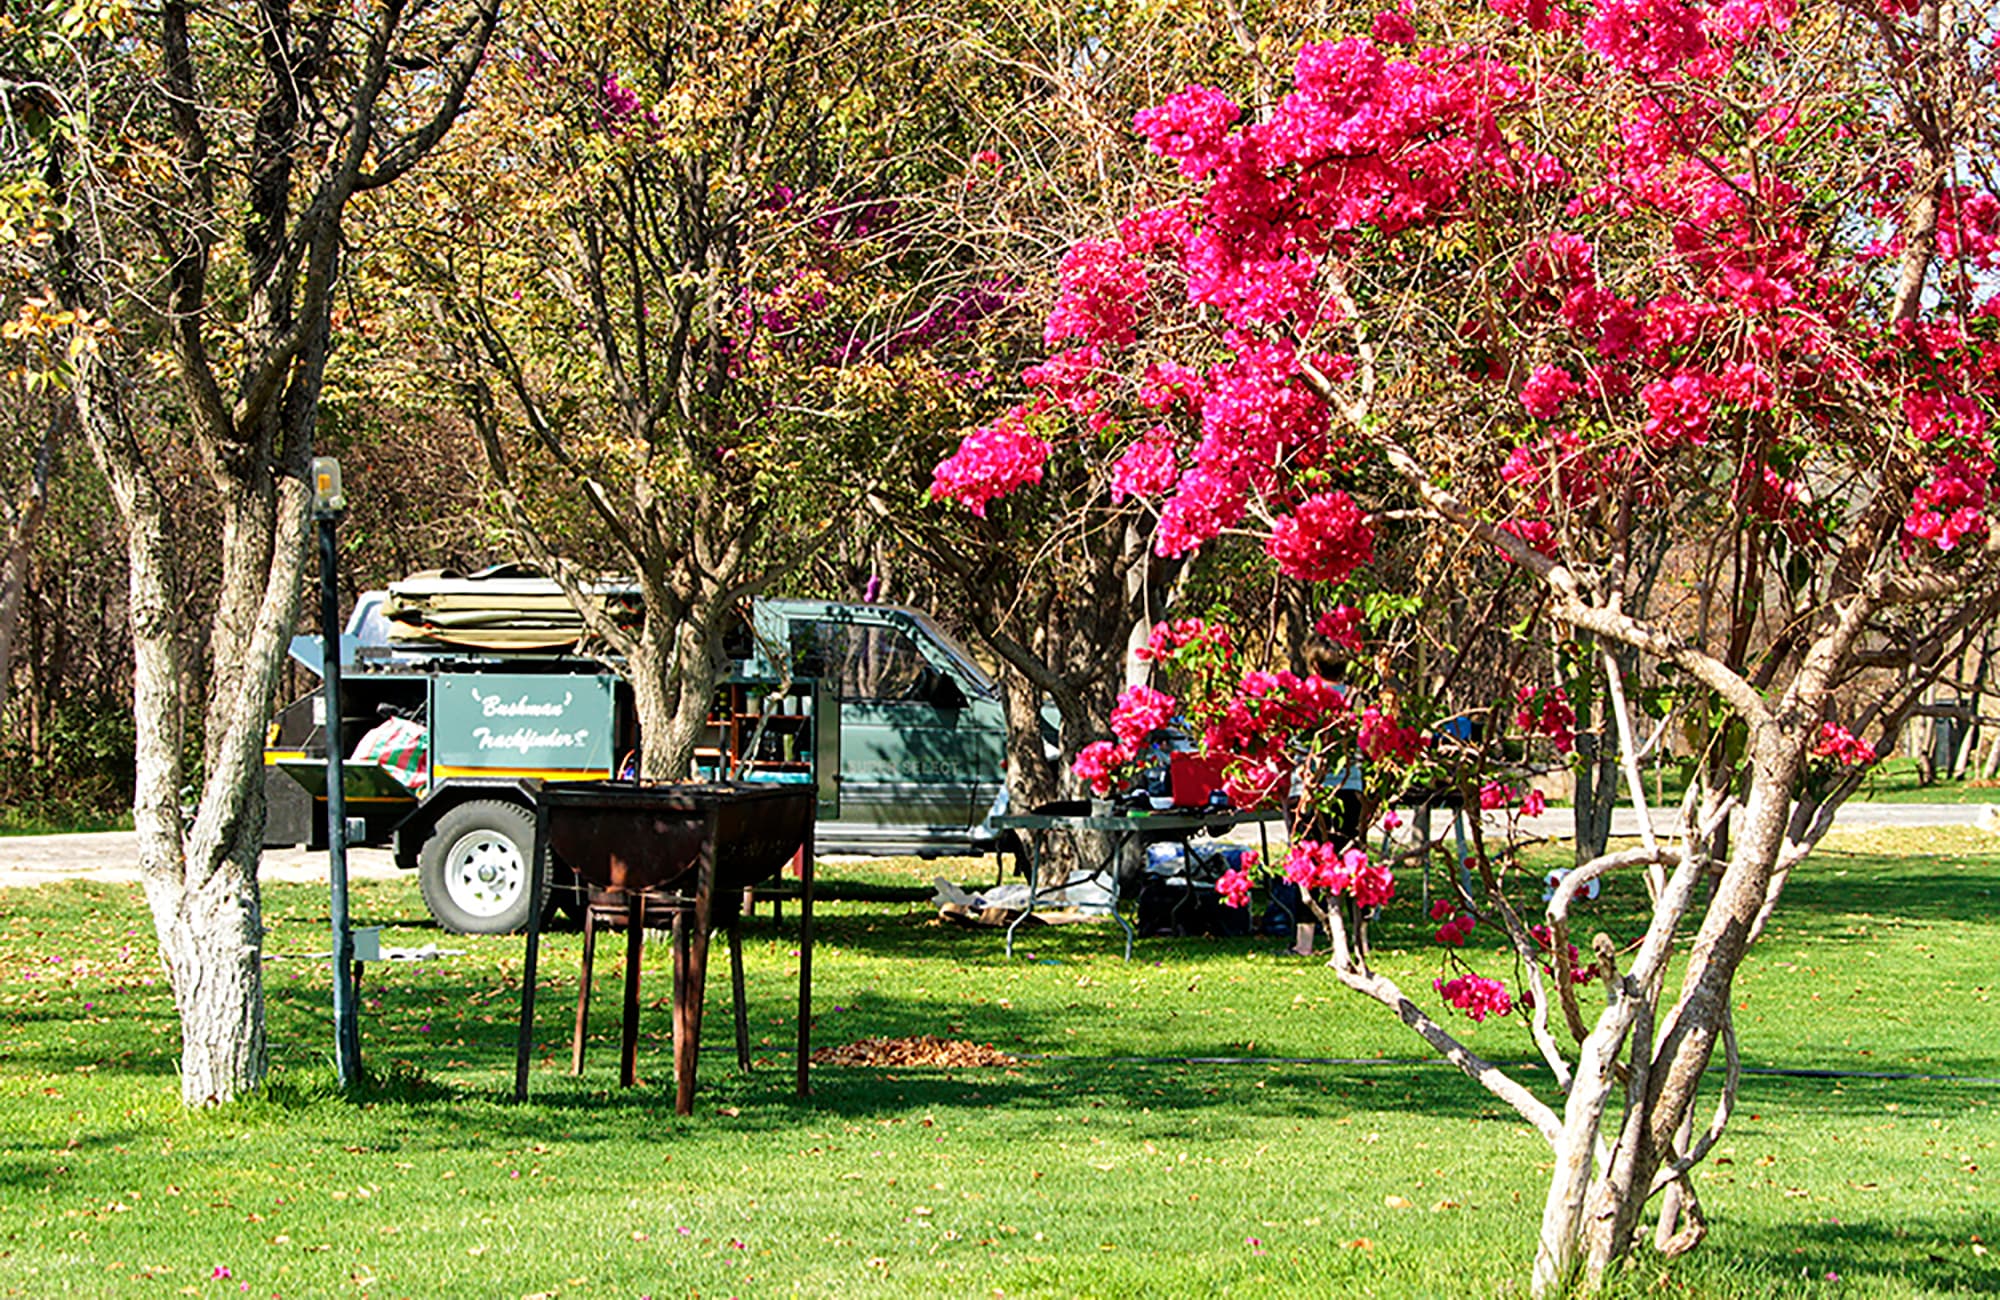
<point>484,873</point>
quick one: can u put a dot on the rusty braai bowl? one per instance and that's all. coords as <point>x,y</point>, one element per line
<point>648,836</point>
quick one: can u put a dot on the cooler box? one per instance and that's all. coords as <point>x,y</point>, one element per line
<point>1192,778</point>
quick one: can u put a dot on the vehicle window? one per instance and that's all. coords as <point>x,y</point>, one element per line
<point>860,661</point>
<point>368,626</point>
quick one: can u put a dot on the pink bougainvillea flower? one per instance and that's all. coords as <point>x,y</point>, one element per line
<point>1843,746</point>
<point>1546,391</point>
<point>1140,712</point>
<point>1475,995</point>
<point>1234,887</point>
<point>991,462</point>
<point>1342,626</point>
<point>1324,540</point>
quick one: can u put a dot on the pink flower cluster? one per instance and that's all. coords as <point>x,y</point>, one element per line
<point>991,462</point>
<point>1649,38</point>
<point>1455,928</point>
<point>1494,795</point>
<point>1140,712</point>
<point>1099,289</point>
<point>1553,718</point>
<point>1475,995</point>
<point>1951,507</point>
<point>1323,540</point>
<point>1169,638</point>
<point>1546,391</point>
<point>1314,864</point>
<point>1234,887</point>
<point>1100,764</point>
<point>1381,737</point>
<point>1579,973</point>
<point>1341,625</point>
<point>1147,468</point>
<point>1190,127</point>
<point>1843,746</point>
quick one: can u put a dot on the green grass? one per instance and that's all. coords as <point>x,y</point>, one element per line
<point>1102,1164</point>
<point>1894,780</point>
<point>14,821</point>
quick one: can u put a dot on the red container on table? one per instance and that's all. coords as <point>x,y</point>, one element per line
<point>1193,778</point>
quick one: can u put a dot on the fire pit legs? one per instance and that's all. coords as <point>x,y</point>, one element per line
<point>635,947</point>
<point>583,991</point>
<point>691,954</point>
<point>737,998</point>
<point>647,848</point>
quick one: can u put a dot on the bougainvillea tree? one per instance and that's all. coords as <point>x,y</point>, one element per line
<point>1047,92</point>
<point>1704,289</point>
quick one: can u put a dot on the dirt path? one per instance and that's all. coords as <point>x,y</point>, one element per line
<point>113,856</point>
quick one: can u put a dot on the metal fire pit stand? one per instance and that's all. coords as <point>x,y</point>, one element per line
<point>692,919</point>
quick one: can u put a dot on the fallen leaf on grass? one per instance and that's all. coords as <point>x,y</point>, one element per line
<point>926,1052</point>
<point>1359,1243</point>
<point>1444,1205</point>
<point>1399,1202</point>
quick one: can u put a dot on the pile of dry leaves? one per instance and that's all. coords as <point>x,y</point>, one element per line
<point>928,1052</point>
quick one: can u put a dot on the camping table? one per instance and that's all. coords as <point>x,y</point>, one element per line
<point>1120,827</point>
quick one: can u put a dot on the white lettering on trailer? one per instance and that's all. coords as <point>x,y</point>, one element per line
<point>495,706</point>
<point>522,739</point>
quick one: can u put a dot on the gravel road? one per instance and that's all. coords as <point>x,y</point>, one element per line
<point>114,856</point>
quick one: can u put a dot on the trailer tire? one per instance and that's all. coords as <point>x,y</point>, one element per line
<point>474,868</point>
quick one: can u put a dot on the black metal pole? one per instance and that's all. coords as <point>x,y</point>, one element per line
<point>346,1031</point>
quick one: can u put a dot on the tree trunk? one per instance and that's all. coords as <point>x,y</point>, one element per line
<point>200,878</point>
<point>1690,1031</point>
<point>1968,744</point>
<point>673,690</point>
<point>211,941</point>
<point>1032,780</point>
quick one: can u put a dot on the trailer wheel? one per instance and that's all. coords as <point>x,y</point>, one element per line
<point>474,868</point>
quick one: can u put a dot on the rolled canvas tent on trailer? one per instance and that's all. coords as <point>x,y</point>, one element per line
<point>510,608</point>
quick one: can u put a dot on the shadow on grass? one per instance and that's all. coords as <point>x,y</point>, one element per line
<point>1931,1255</point>
<point>1819,899</point>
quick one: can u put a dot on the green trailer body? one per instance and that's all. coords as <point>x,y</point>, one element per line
<point>890,719</point>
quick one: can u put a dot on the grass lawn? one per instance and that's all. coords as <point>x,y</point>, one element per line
<point>1104,1163</point>
<point>1893,780</point>
<point>14,821</point>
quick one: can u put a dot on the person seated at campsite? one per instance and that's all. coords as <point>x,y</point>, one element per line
<point>1326,787</point>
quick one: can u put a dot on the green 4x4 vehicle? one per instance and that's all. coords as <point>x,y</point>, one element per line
<point>460,695</point>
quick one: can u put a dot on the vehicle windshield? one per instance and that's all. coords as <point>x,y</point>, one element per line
<point>960,656</point>
<point>366,624</point>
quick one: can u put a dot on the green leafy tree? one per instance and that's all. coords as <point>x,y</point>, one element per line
<point>686,300</point>
<point>196,163</point>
